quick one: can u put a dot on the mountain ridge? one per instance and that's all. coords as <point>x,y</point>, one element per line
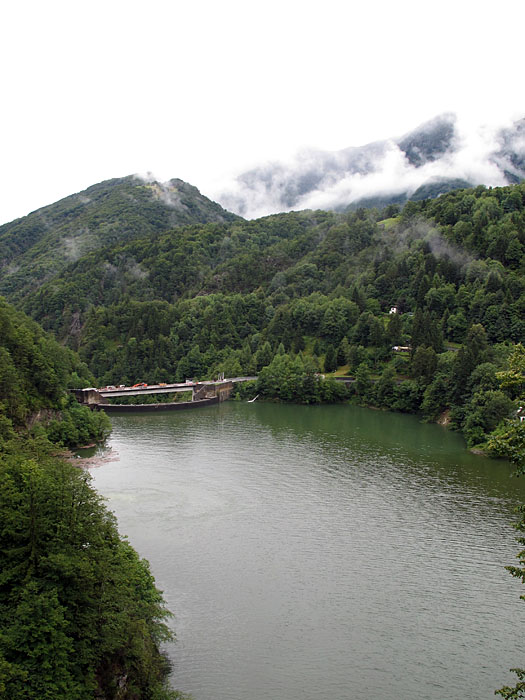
<point>114,211</point>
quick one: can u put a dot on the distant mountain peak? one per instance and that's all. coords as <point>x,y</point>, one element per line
<point>511,154</point>
<point>430,140</point>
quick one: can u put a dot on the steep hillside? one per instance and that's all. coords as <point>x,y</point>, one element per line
<point>35,248</point>
<point>35,374</point>
<point>182,263</point>
<point>296,254</point>
<point>79,612</point>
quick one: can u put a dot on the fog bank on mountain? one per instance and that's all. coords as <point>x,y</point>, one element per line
<point>437,157</point>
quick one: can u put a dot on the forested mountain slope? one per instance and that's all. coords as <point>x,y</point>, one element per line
<point>317,287</point>
<point>459,258</point>
<point>35,248</point>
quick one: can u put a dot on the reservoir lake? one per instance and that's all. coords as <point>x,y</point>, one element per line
<point>321,551</point>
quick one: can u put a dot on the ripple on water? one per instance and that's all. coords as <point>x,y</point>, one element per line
<point>321,552</point>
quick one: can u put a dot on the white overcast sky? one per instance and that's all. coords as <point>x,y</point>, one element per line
<point>201,90</point>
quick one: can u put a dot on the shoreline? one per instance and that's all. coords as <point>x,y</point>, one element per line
<point>94,461</point>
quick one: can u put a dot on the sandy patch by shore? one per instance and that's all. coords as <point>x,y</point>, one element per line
<point>94,461</point>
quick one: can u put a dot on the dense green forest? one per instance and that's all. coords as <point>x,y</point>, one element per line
<point>317,287</point>
<point>35,372</point>
<point>80,616</point>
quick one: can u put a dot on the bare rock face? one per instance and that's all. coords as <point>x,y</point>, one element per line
<point>444,419</point>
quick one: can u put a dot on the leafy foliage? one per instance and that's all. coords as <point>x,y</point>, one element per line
<point>509,439</point>
<point>80,616</point>
<point>291,378</point>
<point>35,372</point>
<point>79,611</point>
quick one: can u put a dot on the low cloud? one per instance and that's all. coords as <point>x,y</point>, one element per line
<point>421,229</point>
<point>441,248</point>
<point>74,247</point>
<point>444,149</point>
<point>136,271</point>
<point>166,192</point>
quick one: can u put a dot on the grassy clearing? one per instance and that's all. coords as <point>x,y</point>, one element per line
<point>389,223</point>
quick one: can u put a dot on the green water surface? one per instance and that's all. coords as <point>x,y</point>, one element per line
<point>322,552</point>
